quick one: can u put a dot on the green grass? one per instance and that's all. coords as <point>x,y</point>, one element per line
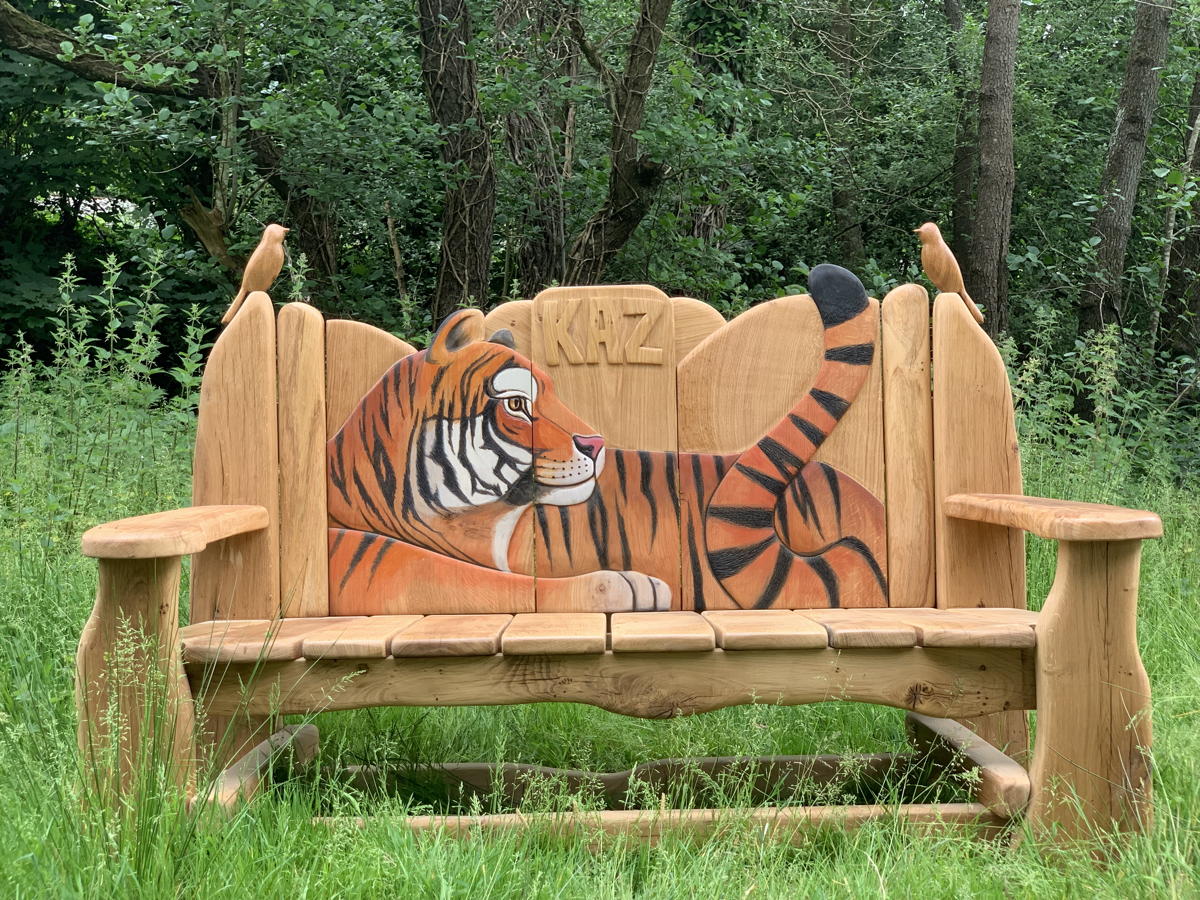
<point>83,448</point>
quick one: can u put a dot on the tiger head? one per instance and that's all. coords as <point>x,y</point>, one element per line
<point>467,423</point>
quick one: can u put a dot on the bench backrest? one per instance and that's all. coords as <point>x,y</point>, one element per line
<point>934,418</point>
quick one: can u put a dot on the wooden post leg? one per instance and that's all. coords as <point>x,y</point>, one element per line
<point>132,696</point>
<point>1090,771</point>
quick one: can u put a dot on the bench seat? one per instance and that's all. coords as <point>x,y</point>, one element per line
<point>526,634</point>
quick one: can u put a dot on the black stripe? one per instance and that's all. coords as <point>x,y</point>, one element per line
<point>862,550</point>
<point>773,485</point>
<point>833,404</point>
<point>337,541</point>
<point>814,434</point>
<point>647,464</point>
<point>564,520</point>
<point>539,513</point>
<point>437,380</point>
<point>746,516</point>
<point>619,459</point>
<point>385,475</point>
<point>720,463</point>
<point>828,578</point>
<point>697,569</point>
<point>438,454</point>
<point>359,552</point>
<point>732,560</point>
<point>852,354</point>
<point>672,483</point>
<point>366,498</point>
<point>783,565</point>
<point>698,479</point>
<point>337,468</point>
<point>781,457</point>
<point>598,524</point>
<point>626,561</point>
<point>835,488</point>
<point>804,500</point>
<point>384,546</point>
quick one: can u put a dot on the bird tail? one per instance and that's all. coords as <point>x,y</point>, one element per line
<point>234,307</point>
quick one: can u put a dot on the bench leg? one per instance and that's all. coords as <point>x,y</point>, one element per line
<point>1090,771</point>
<point>132,696</point>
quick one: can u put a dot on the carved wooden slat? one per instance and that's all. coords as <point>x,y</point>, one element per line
<point>281,639</point>
<point>694,321</point>
<point>517,317</point>
<point>237,462</point>
<point>452,636</point>
<point>908,433</point>
<point>732,387</point>
<point>356,639</point>
<point>611,353</point>
<point>661,631</point>
<point>303,523</point>
<point>863,628</point>
<point>356,355</point>
<point>538,633</point>
<point>766,629</point>
<point>975,451</point>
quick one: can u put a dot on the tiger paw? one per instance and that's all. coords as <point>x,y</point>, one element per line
<point>605,591</point>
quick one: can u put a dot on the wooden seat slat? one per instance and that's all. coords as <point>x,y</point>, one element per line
<point>859,628</point>
<point>278,639</point>
<point>460,635</point>
<point>765,629</point>
<point>537,633</point>
<point>651,632</point>
<point>369,638</point>
<point>984,627</point>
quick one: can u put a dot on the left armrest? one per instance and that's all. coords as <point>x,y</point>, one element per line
<point>175,533</point>
<point>1060,520</point>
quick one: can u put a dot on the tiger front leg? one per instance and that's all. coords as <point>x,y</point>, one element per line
<point>605,591</point>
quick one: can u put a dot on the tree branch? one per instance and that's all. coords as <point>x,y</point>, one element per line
<point>607,77</point>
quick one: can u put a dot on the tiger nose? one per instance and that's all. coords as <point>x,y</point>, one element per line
<point>589,445</point>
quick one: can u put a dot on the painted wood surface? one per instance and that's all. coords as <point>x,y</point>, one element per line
<point>602,346</point>
<point>356,355</point>
<point>303,550</point>
<point>975,451</point>
<point>908,442</point>
<point>939,682</point>
<point>237,462</point>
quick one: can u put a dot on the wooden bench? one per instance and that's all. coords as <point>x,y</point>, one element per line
<point>375,526</point>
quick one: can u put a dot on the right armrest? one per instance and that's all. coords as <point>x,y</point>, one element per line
<point>175,533</point>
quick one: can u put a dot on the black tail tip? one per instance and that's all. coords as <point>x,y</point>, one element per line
<point>838,293</point>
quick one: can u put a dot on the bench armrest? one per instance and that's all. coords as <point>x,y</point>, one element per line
<point>175,533</point>
<point>1060,520</point>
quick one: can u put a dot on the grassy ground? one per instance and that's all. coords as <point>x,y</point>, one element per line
<point>83,450</point>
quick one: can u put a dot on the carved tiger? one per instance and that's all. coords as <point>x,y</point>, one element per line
<point>461,474</point>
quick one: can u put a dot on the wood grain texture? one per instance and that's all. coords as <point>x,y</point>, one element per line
<point>538,633</point>
<point>765,629</point>
<point>908,443</point>
<point>303,552</point>
<point>1003,785</point>
<point>603,345</point>
<point>863,628</point>
<point>452,636</point>
<point>661,631</point>
<point>357,639</point>
<point>517,317</point>
<point>732,388</point>
<point>237,462</point>
<point>975,451</point>
<point>792,823</point>
<point>938,682</point>
<point>133,700</point>
<point>177,532</point>
<point>973,627</point>
<point>1060,520</point>
<point>242,780</point>
<point>356,356</point>
<point>278,639</point>
<point>1090,769</point>
<point>694,321</point>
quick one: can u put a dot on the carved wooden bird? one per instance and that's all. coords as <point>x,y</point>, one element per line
<point>941,267</point>
<point>263,267</point>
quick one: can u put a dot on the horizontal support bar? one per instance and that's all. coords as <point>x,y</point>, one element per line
<point>945,682</point>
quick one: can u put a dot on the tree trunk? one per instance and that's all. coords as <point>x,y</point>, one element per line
<point>987,268</point>
<point>633,178</point>
<point>469,209</point>
<point>1100,300</point>
<point>530,139</point>
<point>963,167</point>
<point>1181,298</point>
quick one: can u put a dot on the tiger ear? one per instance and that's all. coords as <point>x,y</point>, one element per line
<point>504,338</point>
<point>462,327</point>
